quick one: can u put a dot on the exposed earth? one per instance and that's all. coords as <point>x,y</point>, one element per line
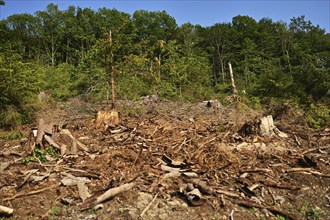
<point>186,161</point>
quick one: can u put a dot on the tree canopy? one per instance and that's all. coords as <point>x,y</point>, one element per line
<point>66,53</point>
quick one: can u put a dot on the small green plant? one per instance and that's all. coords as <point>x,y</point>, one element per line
<point>318,116</point>
<point>253,210</point>
<point>303,209</point>
<point>52,152</point>
<point>40,154</point>
<point>11,135</point>
<point>279,217</point>
<point>314,213</point>
<point>54,211</point>
<point>28,159</point>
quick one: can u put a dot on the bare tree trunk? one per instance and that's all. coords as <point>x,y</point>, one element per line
<point>222,71</point>
<point>112,73</point>
<point>233,86</point>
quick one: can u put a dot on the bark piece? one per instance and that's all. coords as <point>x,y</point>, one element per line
<point>6,210</point>
<point>83,191</point>
<point>71,180</point>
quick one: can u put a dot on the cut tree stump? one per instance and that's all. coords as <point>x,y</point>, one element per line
<point>107,119</point>
<point>263,127</point>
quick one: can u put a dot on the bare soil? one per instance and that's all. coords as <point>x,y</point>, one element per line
<point>239,177</point>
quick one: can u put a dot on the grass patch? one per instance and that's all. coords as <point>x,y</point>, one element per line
<point>11,135</point>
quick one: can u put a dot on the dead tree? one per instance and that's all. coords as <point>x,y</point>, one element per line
<point>233,86</point>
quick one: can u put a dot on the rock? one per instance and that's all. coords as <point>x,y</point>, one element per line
<point>149,99</point>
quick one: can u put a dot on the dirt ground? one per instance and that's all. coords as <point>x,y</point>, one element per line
<point>185,161</point>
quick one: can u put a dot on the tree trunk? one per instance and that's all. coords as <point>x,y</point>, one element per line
<point>233,86</point>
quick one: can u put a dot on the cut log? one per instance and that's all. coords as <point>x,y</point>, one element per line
<point>6,210</point>
<point>90,202</point>
<point>51,142</point>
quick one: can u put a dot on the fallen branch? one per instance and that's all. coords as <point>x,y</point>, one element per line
<point>80,145</point>
<point>108,194</point>
<point>275,211</point>
<point>6,210</point>
<point>308,170</point>
<point>230,194</point>
<point>31,193</point>
<point>315,149</point>
<point>279,185</point>
<point>51,142</point>
<point>148,206</point>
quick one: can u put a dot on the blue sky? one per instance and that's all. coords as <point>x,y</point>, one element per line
<point>205,13</point>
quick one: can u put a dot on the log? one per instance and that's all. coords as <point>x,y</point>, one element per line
<point>90,202</point>
<point>81,146</point>
<point>6,210</point>
<point>51,142</point>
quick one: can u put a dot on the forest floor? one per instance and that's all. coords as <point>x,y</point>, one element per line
<point>186,161</point>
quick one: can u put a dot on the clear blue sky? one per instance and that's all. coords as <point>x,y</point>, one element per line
<point>205,13</point>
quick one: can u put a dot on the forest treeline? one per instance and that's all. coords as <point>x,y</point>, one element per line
<point>66,53</point>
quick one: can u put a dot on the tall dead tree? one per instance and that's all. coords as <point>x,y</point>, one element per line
<point>109,118</point>
<point>112,68</point>
<point>233,86</point>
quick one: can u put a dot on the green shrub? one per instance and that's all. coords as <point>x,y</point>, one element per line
<point>11,135</point>
<point>318,116</point>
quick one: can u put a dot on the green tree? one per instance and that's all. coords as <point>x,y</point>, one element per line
<point>19,86</point>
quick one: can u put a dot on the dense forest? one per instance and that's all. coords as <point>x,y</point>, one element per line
<point>66,53</point>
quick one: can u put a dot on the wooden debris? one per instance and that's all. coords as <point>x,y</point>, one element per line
<point>227,193</point>
<point>108,194</point>
<point>81,146</point>
<point>6,210</point>
<point>275,211</point>
<point>71,180</point>
<point>148,206</point>
<point>316,149</point>
<point>27,177</point>
<point>192,195</point>
<point>231,215</point>
<point>4,166</point>
<point>51,142</point>
<point>83,191</point>
<point>31,192</point>
<point>307,170</point>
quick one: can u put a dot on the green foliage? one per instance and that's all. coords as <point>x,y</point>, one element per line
<point>19,86</point>
<point>67,53</point>
<point>11,135</point>
<point>314,213</point>
<point>318,116</point>
<point>39,154</point>
<point>59,81</point>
